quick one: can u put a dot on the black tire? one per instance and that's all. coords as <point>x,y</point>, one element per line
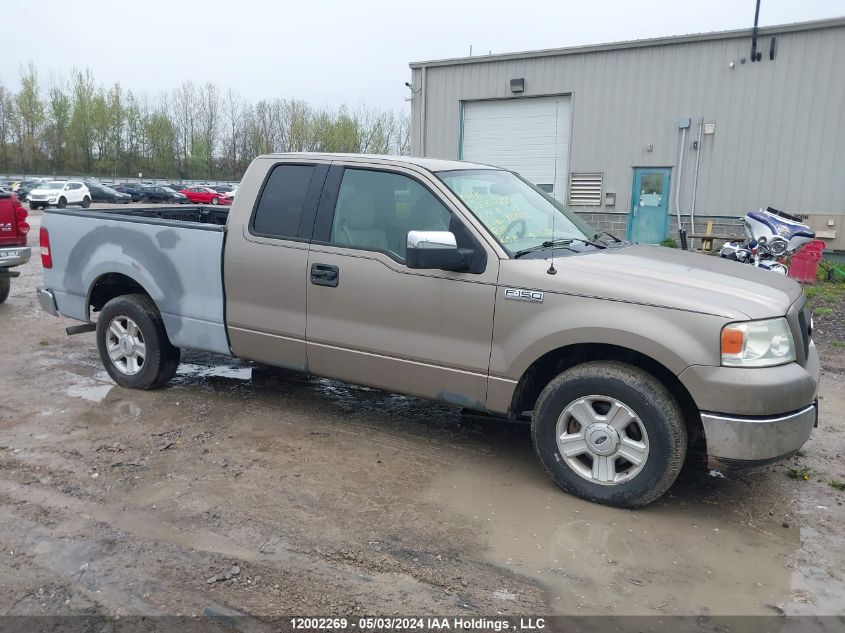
<point>33,207</point>
<point>62,203</point>
<point>143,200</point>
<point>162,358</point>
<point>647,398</point>
<point>86,202</point>
<point>5,287</point>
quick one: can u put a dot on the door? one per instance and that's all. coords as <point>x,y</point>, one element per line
<point>528,135</point>
<point>75,193</point>
<point>648,222</point>
<point>374,321</point>
<point>266,262</point>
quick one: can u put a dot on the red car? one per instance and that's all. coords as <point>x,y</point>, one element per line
<point>205,195</point>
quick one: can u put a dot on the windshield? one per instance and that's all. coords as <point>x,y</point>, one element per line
<point>517,213</point>
<point>51,185</point>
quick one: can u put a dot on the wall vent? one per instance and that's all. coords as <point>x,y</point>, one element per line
<point>585,190</point>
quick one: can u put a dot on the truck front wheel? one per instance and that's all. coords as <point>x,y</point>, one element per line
<point>610,433</point>
<point>133,343</point>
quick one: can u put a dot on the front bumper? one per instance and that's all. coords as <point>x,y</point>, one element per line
<point>756,415</point>
<point>745,441</point>
<point>47,301</point>
<point>14,256</point>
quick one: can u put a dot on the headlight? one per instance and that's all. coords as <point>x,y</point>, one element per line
<point>757,343</point>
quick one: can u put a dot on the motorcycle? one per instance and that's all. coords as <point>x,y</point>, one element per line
<point>771,237</point>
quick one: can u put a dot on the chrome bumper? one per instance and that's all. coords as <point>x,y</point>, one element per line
<point>47,301</point>
<point>745,440</point>
<point>14,256</point>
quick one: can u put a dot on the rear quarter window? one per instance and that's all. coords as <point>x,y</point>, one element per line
<point>281,202</point>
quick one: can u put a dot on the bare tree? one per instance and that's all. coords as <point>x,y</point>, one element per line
<point>234,110</point>
<point>30,110</point>
<point>58,123</point>
<point>210,120</point>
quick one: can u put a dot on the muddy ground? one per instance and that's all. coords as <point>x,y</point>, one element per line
<point>241,489</point>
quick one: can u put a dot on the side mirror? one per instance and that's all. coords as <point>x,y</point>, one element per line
<point>436,249</point>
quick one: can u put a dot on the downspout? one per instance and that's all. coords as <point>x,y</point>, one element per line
<point>695,180</point>
<point>422,113</point>
<point>682,234</point>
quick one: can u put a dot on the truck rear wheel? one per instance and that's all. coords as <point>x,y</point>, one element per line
<point>5,287</point>
<point>610,433</point>
<point>133,343</point>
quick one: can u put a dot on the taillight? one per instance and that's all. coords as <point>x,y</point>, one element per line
<point>21,215</point>
<point>44,242</point>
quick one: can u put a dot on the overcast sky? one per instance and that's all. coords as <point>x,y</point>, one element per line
<point>331,52</point>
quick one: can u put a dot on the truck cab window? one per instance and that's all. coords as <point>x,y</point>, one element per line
<point>376,209</point>
<point>279,208</point>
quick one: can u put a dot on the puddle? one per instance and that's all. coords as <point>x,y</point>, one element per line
<point>669,558</point>
<point>217,371</point>
<point>92,393</point>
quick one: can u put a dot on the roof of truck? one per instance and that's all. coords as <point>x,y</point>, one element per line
<point>431,164</point>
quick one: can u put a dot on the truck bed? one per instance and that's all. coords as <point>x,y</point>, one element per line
<point>196,214</point>
<point>174,253</point>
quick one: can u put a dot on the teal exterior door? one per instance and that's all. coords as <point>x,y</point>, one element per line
<point>648,221</point>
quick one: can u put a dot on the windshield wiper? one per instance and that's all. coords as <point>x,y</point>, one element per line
<point>564,242</point>
<point>609,234</point>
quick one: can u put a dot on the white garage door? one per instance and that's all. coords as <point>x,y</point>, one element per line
<point>529,136</point>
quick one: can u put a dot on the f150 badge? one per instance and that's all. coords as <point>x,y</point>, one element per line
<point>517,294</point>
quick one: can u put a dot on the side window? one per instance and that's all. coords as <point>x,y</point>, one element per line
<point>376,209</point>
<point>279,209</point>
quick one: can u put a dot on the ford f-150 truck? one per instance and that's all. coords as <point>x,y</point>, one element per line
<point>461,283</point>
<point>13,233</point>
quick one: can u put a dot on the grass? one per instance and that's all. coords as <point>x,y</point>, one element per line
<point>825,291</point>
<point>839,344</point>
<point>837,485</point>
<point>822,312</point>
<point>798,472</point>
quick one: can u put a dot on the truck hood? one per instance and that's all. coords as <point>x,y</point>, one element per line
<point>664,277</point>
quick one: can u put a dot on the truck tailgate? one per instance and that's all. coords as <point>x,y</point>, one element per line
<point>179,264</point>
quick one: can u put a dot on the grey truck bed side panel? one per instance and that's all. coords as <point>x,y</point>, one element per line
<point>179,264</point>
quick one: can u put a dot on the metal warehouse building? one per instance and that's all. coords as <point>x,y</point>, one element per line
<point>688,123</point>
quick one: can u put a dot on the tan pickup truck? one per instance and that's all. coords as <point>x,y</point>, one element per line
<point>461,283</point>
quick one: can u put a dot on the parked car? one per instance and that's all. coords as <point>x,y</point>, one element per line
<point>103,193</point>
<point>60,193</point>
<point>223,188</point>
<point>134,191</point>
<point>13,232</point>
<point>231,194</point>
<point>461,283</point>
<point>24,188</point>
<point>156,193</point>
<point>205,195</point>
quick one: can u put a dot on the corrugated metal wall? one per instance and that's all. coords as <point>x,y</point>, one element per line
<point>780,125</point>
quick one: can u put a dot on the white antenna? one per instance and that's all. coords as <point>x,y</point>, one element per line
<point>552,270</point>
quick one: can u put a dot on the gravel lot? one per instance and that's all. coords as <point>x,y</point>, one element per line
<point>246,490</point>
